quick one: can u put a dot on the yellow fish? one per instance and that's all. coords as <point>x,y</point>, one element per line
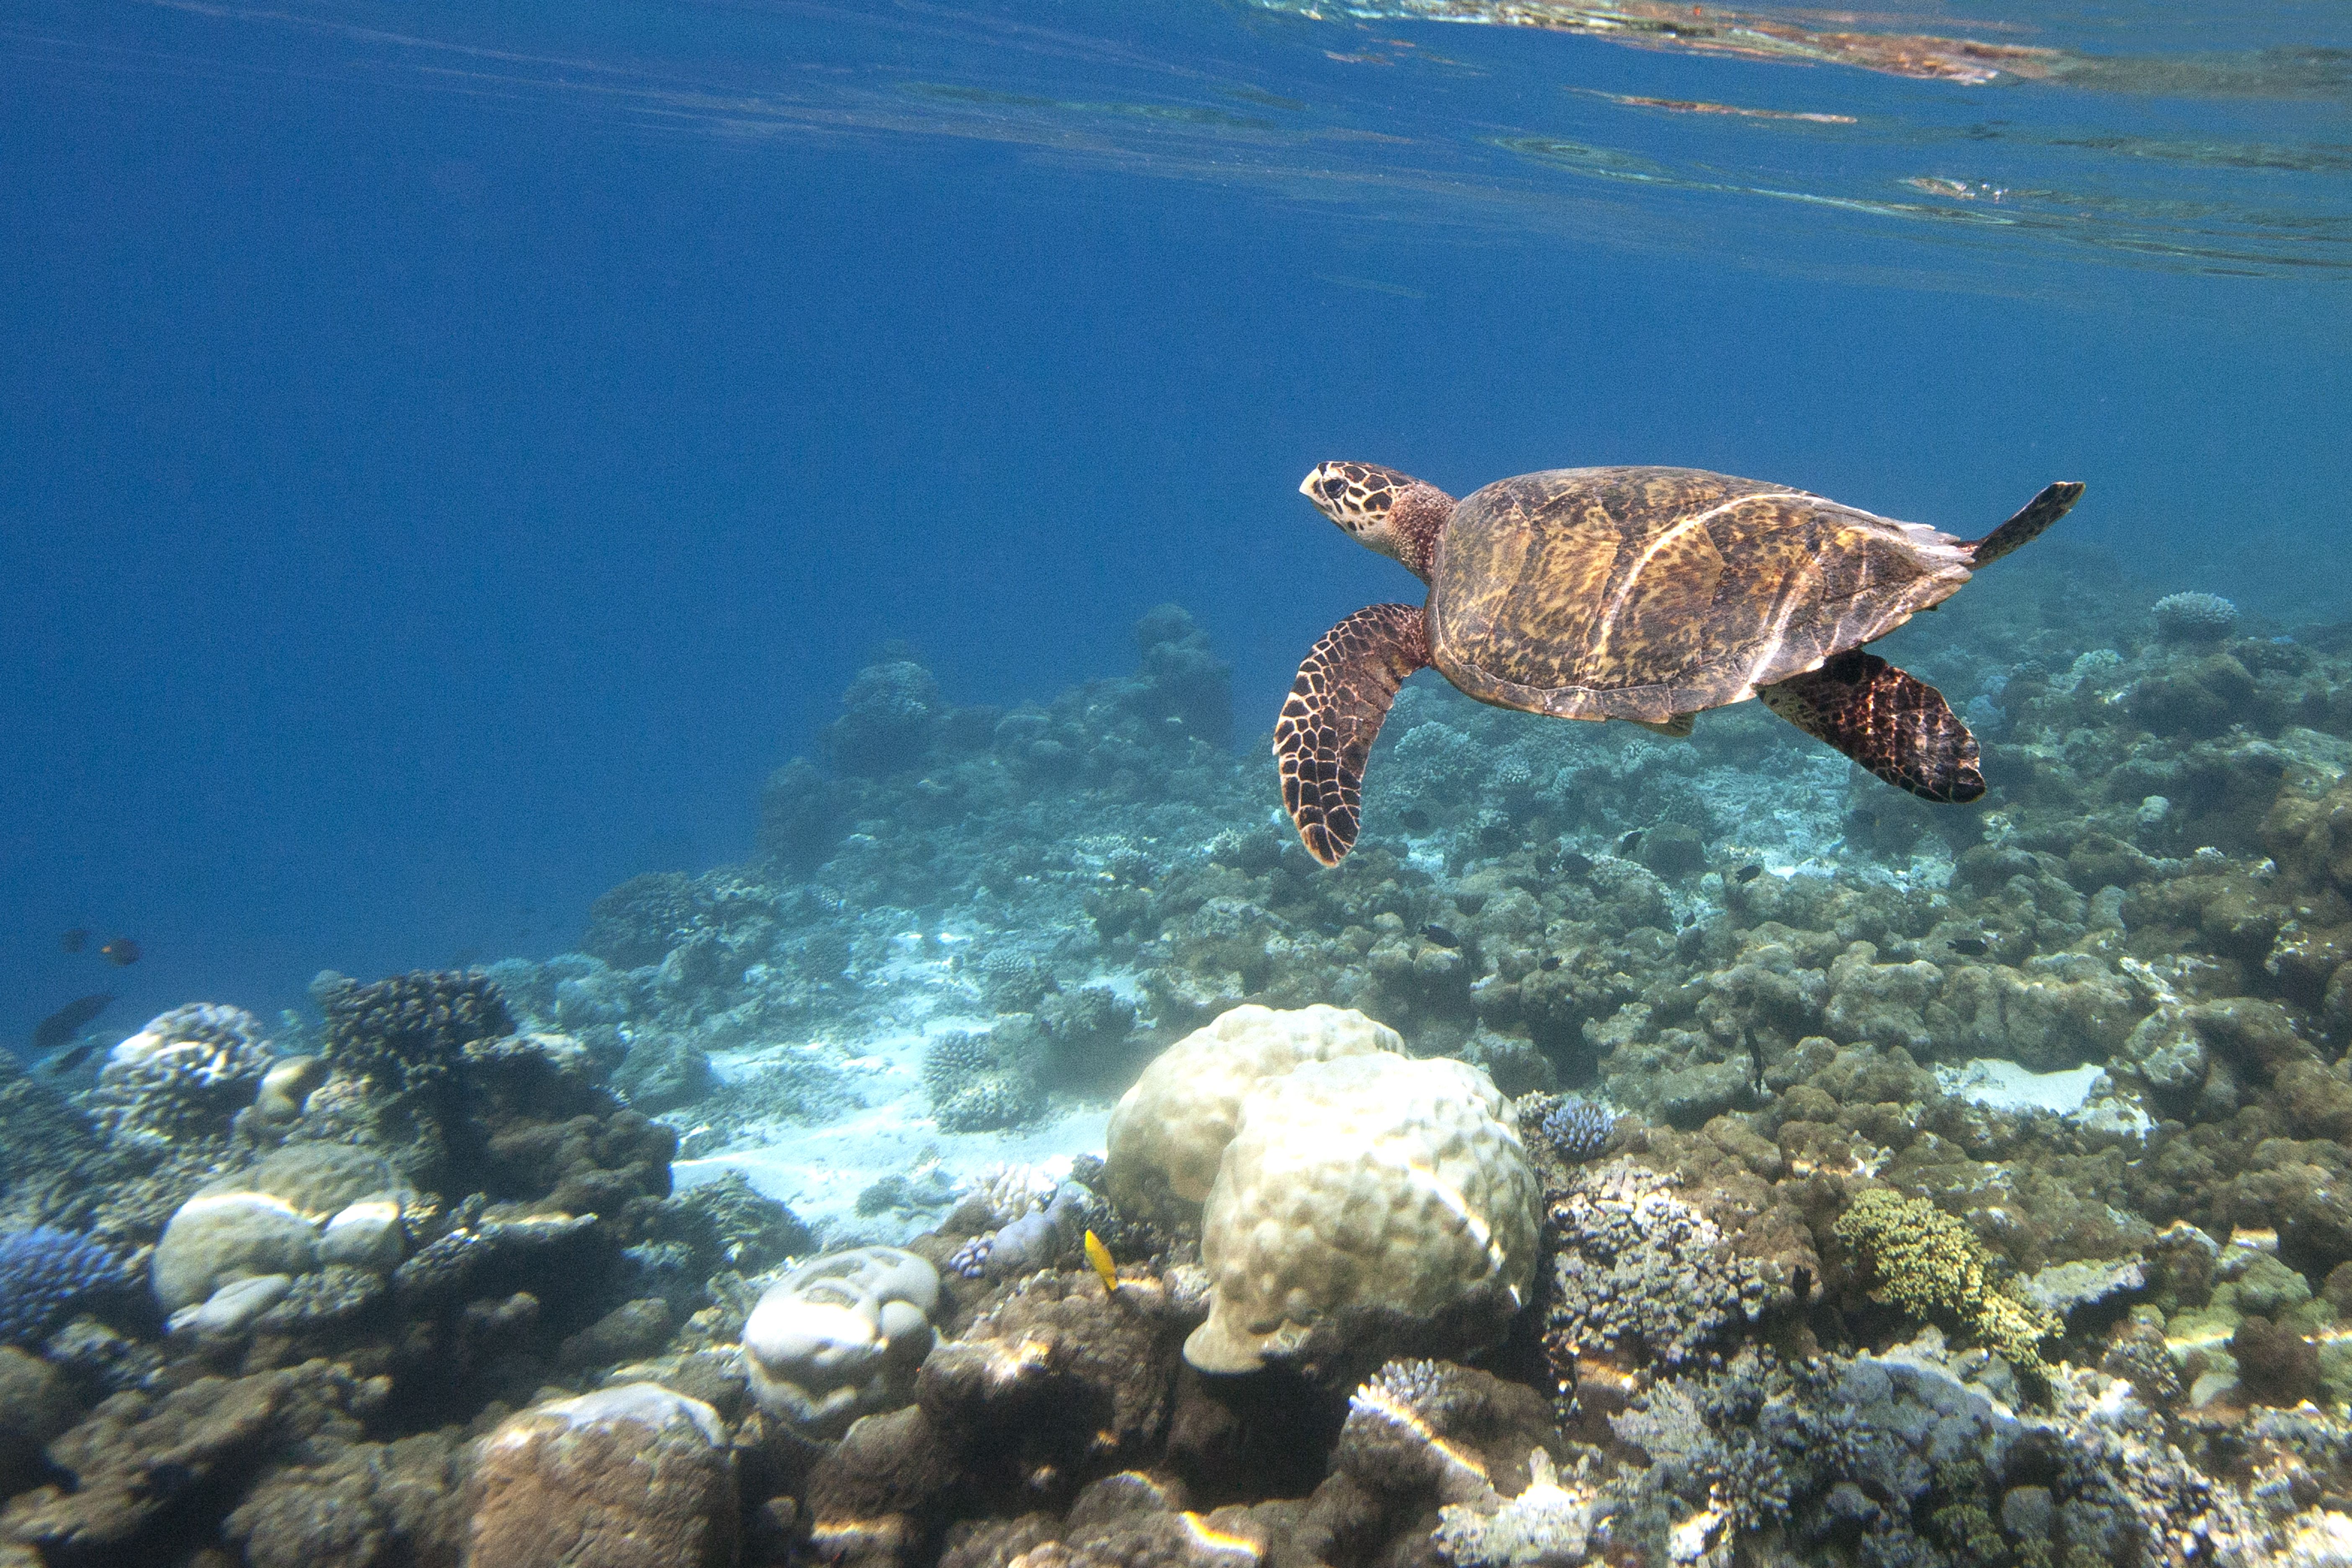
<point>1099,1256</point>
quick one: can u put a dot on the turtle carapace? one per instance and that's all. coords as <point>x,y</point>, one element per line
<point>1640,593</point>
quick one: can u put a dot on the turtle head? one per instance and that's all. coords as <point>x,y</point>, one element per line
<point>1382,509</point>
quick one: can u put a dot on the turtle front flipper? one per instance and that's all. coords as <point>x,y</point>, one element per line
<point>1333,713</point>
<point>1894,725</point>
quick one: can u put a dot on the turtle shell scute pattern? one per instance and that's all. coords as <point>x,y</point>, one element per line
<point>1645,593</point>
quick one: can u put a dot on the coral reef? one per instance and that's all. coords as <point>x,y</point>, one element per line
<point>1545,1523</point>
<point>183,1076</point>
<point>1640,1275</point>
<point>976,1085</point>
<point>2065,1076</point>
<point>888,716</point>
<point>408,1033</point>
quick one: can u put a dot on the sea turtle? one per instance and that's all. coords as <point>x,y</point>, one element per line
<point>1640,593</point>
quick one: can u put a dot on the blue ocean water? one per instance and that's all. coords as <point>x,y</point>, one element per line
<point>648,632</point>
<point>452,454</point>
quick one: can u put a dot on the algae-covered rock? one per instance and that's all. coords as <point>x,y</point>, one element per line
<point>354,1504</point>
<point>632,1476</point>
<point>2056,1011</point>
<point>36,1403</point>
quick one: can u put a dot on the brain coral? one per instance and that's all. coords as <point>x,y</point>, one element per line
<point>1170,1129</point>
<point>1362,1198</point>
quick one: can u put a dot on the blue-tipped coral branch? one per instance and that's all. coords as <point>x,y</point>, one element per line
<point>44,1273</point>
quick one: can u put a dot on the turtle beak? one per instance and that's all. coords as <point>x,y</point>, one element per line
<point>1311,486</point>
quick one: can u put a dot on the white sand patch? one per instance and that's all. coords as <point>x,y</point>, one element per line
<point>2081,1094</point>
<point>818,1172</point>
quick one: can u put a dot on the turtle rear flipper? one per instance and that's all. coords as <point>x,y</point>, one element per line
<point>1332,715</point>
<point>2053,503</point>
<point>1894,725</point>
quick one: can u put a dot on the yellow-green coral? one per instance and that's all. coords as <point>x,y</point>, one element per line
<point>1928,1263</point>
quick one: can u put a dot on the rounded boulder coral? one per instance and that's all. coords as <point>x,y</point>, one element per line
<point>840,1336</point>
<point>1374,1204</point>
<point>1169,1131</point>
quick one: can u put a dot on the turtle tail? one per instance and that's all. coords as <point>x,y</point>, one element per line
<point>2040,512</point>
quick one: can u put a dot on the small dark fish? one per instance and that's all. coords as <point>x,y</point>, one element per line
<point>1574,864</point>
<point>1974,946</point>
<point>1631,842</point>
<point>75,940</point>
<point>66,1022</point>
<point>1748,873</point>
<point>74,1058</point>
<point>1440,936</point>
<point>120,950</point>
<point>1415,820</point>
<point>1550,961</point>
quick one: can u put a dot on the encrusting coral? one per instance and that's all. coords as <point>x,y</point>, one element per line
<point>1931,1264</point>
